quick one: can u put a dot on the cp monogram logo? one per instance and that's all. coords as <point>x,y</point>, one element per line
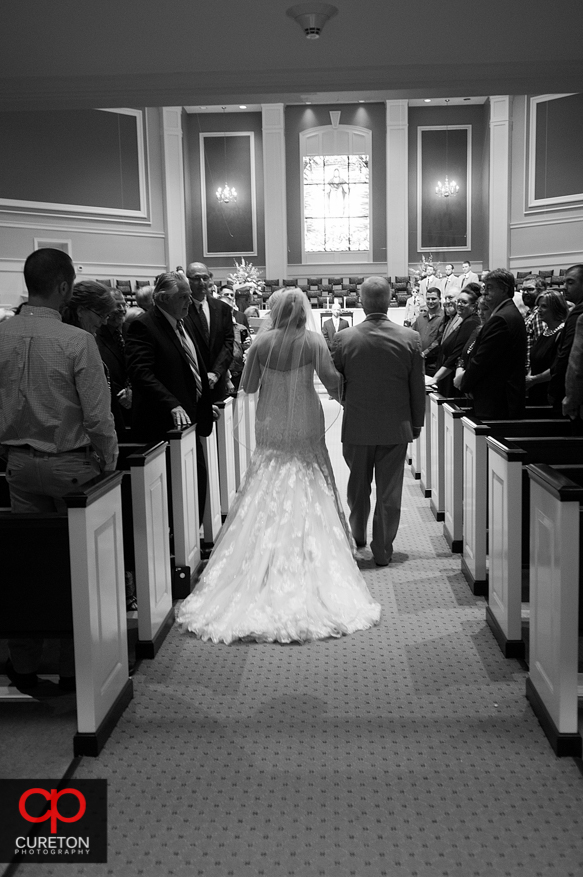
<point>53,811</point>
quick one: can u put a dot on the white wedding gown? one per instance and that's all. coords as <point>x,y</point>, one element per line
<point>282,569</point>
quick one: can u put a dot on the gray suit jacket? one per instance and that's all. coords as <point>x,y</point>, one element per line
<point>384,392</point>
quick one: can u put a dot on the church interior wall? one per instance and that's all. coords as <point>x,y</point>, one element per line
<point>103,246</point>
<point>540,238</point>
<point>476,116</point>
<point>300,118</point>
<point>193,125</point>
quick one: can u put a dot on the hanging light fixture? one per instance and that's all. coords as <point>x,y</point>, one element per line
<point>450,188</point>
<point>226,194</point>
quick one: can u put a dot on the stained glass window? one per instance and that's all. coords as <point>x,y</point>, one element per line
<point>336,203</point>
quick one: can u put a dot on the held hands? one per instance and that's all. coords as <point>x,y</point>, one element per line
<point>180,417</point>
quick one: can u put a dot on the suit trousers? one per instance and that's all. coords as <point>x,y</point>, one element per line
<point>387,463</point>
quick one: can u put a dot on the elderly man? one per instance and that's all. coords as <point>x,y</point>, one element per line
<point>495,376</point>
<point>210,323</point>
<point>384,408</point>
<point>170,387</point>
<point>56,427</point>
<point>574,294</point>
<point>333,325</point>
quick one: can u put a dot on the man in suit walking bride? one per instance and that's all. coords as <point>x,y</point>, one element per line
<point>384,409</point>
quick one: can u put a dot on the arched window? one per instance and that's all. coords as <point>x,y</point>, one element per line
<point>335,172</point>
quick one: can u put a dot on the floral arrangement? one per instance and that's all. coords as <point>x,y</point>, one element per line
<point>247,275</point>
<point>421,271</point>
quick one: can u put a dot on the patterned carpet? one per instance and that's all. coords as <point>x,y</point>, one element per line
<point>405,751</point>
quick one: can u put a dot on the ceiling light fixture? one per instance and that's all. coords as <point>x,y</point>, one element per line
<point>312,17</point>
<point>227,193</point>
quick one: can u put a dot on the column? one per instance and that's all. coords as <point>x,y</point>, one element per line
<point>174,206</point>
<point>275,191</point>
<point>499,190</point>
<point>397,188</point>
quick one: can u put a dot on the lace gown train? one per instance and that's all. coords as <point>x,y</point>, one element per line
<point>282,569</point>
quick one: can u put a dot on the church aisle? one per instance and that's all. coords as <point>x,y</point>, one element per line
<point>408,750</point>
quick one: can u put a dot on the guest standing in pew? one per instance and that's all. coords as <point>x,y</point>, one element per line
<point>169,383</point>
<point>335,324</point>
<point>495,376</point>
<point>552,311</point>
<point>573,400</point>
<point>428,324</point>
<point>384,409</point>
<point>210,323</point>
<point>56,426</point>
<point>453,345</point>
<point>111,342</point>
<point>483,311</point>
<point>573,294</point>
<point>532,287</point>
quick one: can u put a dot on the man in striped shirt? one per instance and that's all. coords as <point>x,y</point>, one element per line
<point>56,426</point>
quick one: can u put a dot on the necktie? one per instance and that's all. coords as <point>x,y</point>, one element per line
<point>204,323</point>
<point>119,339</point>
<point>191,358</point>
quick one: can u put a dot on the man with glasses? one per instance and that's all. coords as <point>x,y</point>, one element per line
<point>210,323</point>
<point>495,376</point>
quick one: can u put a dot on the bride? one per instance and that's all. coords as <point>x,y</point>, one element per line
<point>282,569</point>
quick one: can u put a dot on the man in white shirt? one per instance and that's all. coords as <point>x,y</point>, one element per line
<point>334,325</point>
<point>450,283</point>
<point>467,275</point>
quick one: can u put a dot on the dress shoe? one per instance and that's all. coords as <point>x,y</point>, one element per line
<point>21,680</point>
<point>67,683</point>
<point>379,563</point>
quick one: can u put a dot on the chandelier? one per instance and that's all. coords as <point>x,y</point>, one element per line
<point>225,194</point>
<point>447,189</point>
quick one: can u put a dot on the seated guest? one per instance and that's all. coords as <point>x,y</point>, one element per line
<point>495,374</point>
<point>453,345</point>
<point>483,311</point>
<point>428,325</point>
<point>111,343</point>
<point>552,310</point>
<point>532,287</point>
<point>252,311</point>
<point>242,302</point>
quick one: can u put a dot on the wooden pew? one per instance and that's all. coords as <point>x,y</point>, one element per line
<point>185,523</point>
<point>212,518</point>
<point>508,492</point>
<point>437,453</point>
<point>72,583</point>
<point>475,482</point>
<point>453,474</point>
<point>226,448</point>
<point>424,460</point>
<point>240,414</point>
<point>149,525</point>
<point>556,542</point>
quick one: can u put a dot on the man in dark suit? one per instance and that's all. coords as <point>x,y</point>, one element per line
<point>334,325</point>
<point>210,323</point>
<point>574,294</point>
<point>384,409</point>
<point>495,376</point>
<point>170,387</point>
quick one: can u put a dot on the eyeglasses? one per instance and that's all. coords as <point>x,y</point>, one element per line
<point>102,317</point>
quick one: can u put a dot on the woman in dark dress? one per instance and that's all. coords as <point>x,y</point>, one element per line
<point>453,344</point>
<point>553,310</point>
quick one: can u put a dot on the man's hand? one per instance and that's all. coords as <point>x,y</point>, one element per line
<point>125,397</point>
<point>458,378</point>
<point>569,410</point>
<point>180,417</point>
<point>216,412</point>
<point>213,378</point>
<point>417,431</point>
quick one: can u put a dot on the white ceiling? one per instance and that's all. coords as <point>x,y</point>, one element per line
<point>72,53</point>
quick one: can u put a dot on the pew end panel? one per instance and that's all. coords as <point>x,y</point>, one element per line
<point>240,414</point>
<point>212,519</point>
<point>183,488</point>
<point>425,449</point>
<point>475,485</point>
<point>437,458</point>
<point>453,476</point>
<point>226,449</point>
<point>555,575</point>
<point>152,548</point>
